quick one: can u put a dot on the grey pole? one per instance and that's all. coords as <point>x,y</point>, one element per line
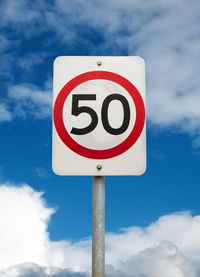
<point>98,226</point>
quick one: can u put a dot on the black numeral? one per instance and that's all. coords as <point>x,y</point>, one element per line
<point>76,110</point>
<point>104,114</point>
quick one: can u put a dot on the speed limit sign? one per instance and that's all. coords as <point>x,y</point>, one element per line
<point>99,116</point>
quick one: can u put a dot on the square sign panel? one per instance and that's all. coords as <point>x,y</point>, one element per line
<point>99,116</point>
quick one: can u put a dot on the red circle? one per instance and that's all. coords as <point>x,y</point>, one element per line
<point>92,153</point>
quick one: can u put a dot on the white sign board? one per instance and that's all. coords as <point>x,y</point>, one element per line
<point>99,116</point>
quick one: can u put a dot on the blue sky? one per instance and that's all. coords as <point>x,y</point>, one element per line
<point>166,35</point>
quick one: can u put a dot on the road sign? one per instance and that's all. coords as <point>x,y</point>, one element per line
<point>99,116</point>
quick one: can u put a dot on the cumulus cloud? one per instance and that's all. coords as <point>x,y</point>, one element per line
<point>168,247</point>
<point>23,230</point>
<point>28,62</point>
<point>19,12</point>
<point>161,260</point>
<point>24,218</point>
<point>5,114</point>
<point>28,99</point>
<point>34,270</point>
<point>4,42</point>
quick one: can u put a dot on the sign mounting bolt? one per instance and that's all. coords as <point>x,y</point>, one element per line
<point>99,167</point>
<point>99,63</point>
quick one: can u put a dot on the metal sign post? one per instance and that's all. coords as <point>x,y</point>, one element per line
<point>98,226</point>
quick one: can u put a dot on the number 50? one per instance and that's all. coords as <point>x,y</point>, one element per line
<point>76,110</point>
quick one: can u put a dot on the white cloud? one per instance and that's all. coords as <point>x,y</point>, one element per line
<point>24,217</point>
<point>28,62</point>
<point>5,114</point>
<point>34,270</point>
<point>169,247</point>
<point>18,12</point>
<point>162,260</point>
<point>30,100</point>
<point>23,232</point>
<point>4,43</point>
<point>6,66</point>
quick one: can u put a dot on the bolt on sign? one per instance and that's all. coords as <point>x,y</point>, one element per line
<point>99,116</point>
